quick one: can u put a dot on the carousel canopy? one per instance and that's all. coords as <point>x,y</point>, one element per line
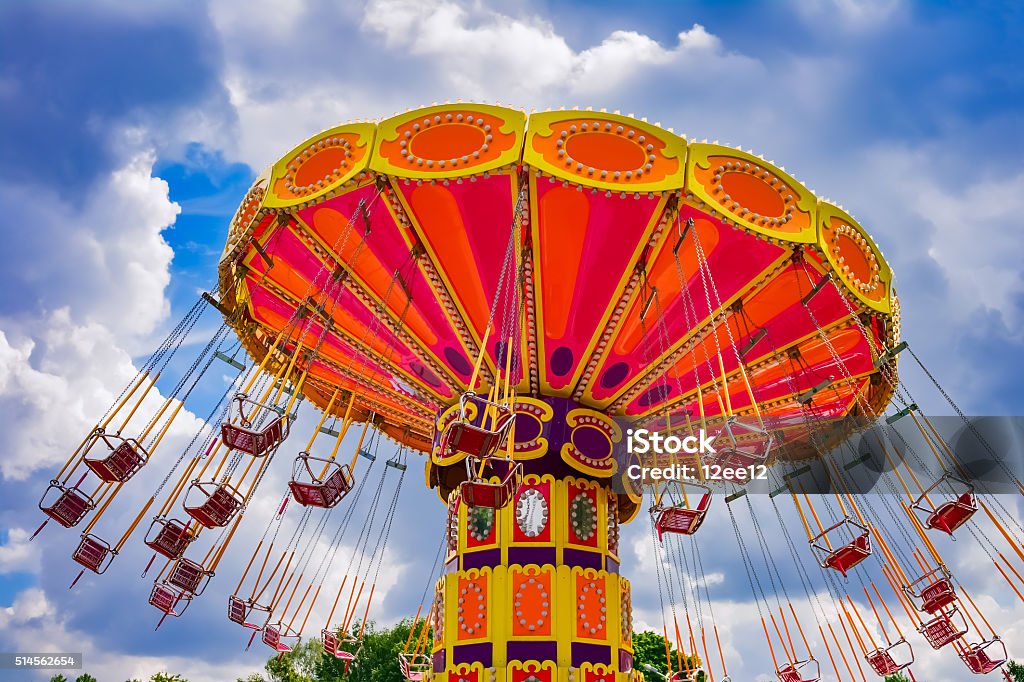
<point>639,258</point>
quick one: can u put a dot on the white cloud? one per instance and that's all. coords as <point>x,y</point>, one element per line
<point>848,16</point>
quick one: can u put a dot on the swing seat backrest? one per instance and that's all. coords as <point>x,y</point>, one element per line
<point>121,461</point>
<point>69,507</point>
<point>241,610</point>
<point>215,509</point>
<point>168,537</point>
<point>93,553</point>
<point>330,641</point>
<point>237,610</point>
<point>492,495</point>
<point>188,575</point>
<point>166,598</point>
<point>942,630</point>
<point>952,514</point>
<point>937,596</point>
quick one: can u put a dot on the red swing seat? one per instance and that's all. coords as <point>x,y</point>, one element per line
<point>332,645</point>
<point>240,433</point>
<point>94,553</point>
<point>933,591</point>
<point>68,507</point>
<point>943,629</point>
<point>189,576</point>
<point>846,556</point>
<point>953,512</point>
<point>475,440</point>
<point>122,458</point>
<point>280,637</point>
<point>800,671</point>
<point>167,598</point>
<point>168,537</point>
<point>214,505</point>
<point>241,611</point>
<point>324,489</point>
<point>980,660</point>
<point>681,519</point>
<point>892,658</point>
<point>414,666</point>
<point>481,493</point>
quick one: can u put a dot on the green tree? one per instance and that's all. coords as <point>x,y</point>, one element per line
<point>898,677</point>
<point>85,677</point>
<point>58,678</point>
<point>649,650</point>
<point>167,677</point>
<point>1016,671</point>
<point>254,677</point>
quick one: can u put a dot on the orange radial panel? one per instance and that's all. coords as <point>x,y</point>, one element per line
<point>449,140</point>
<point>606,151</point>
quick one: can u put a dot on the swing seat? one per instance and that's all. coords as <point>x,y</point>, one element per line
<point>94,553</point>
<point>480,493</point>
<point>332,645</point>
<point>241,611</point>
<point>280,637</point>
<point>980,660</point>
<point>801,671</point>
<point>937,591</point>
<point>414,666</point>
<point>310,489</point>
<point>462,435</point>
<point>168,599</point>
<point>846,556</point>
<point>937,596</point>
<point>681,520</point>
<point>884,662</point>
<point>68,507</point>
<point>951,515</point>
<point>215,507</point>
<point>240,433</point>
<point>122,460</point>
<point>943,630</point>
<point>849,555</point>
<point>168,537</point>
<point>954,511</point>
<point>189,576</point>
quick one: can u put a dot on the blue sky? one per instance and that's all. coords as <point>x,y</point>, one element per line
<point>130,131</point>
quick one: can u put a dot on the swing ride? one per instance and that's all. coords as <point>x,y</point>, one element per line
<point>502,294</point>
